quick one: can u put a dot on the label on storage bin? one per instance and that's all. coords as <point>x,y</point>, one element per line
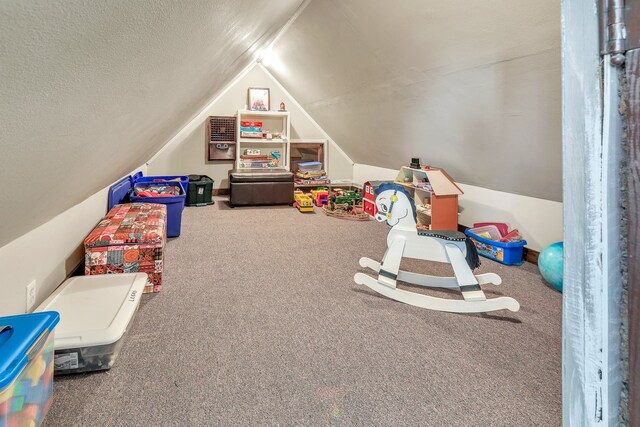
<point>66,361</point>
<point>201,190</point>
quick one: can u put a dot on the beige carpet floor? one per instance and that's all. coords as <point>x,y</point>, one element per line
<point>260,323</point>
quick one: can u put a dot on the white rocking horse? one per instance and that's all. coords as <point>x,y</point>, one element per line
<point>395,206</point>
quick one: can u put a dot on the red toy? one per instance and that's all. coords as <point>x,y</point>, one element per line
<point>320,196</point>
<point>369,198</point>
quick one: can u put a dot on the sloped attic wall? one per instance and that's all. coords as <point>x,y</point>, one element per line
<point>90,90</point>
<point>473,87</point>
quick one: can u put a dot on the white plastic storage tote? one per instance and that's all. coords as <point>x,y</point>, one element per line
<point>95,314</point>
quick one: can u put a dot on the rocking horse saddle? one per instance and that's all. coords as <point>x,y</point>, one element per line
<point>472,258</point>
<point>454,236</point>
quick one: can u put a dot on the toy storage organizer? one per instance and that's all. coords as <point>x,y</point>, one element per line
<point>26,368</point>
<point>435,196</point>
<point>200,191</point>
<point>505,253</point>
<point>130,239</point>
<point>121,192</point>
<point>96,313</point>
<point>264,134</point>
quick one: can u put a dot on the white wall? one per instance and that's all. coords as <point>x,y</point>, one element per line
<point>48,253</point>
<point>539,220</point>
<point>186,152</point>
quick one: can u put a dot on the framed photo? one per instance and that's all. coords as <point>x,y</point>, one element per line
<point>259,99</point>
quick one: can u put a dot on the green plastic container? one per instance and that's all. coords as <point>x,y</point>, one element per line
<point>200,191</point>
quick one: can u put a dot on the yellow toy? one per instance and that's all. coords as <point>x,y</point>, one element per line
<point>7,393</point>
<point>36,370</point>
<point>303,202</point>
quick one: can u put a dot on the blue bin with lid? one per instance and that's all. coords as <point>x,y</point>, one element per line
<point>174,204</point>
<point>26,367</point>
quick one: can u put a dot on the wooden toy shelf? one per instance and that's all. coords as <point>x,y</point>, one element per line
<point>435,196</point>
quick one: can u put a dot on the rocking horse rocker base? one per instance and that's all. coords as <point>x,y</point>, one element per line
<point>395,207</point>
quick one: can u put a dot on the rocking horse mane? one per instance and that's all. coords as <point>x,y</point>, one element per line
<point>396,187</point>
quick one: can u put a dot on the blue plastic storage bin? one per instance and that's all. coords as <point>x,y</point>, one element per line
<point>26,367</point>
<point>184,180</point>
<point>174,204</point>
<point>505,253</point>
<point>119,192</point>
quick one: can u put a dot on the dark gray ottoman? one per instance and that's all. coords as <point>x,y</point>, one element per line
<point>260,187</point>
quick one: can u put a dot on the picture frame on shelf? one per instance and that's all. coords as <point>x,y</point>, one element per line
<point>258,99</point>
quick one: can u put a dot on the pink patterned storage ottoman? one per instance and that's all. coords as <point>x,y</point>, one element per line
<point>129,239</point>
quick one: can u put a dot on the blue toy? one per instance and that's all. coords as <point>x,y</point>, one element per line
<point>550,265</point>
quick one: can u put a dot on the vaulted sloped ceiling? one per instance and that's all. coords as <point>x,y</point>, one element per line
<point>473,87</point>
<point>89,90</point>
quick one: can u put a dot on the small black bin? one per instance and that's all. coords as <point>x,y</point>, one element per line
<point>200,191</point>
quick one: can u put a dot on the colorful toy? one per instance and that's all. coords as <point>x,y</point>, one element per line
<point>345,204</point>
<point>320,196</point>
<point>550,263</point>
<point>395,206</point>
<point>303,202</point>
<point>369,198</point>
<point>348,197</point>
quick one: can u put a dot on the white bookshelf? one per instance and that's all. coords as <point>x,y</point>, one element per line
<point>274,121</point>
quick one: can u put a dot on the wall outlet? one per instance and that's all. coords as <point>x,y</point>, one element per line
<point>31,295</point>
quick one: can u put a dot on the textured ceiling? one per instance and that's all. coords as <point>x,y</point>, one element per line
<point>473,87</point>
<point>90,90</point>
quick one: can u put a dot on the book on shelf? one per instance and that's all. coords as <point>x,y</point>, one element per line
<point>245,123</point>
<point>248,134</point>
<point>313,181</point>
<point>255,157</point>
<point>263,162</point>
<point>258,165</point>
